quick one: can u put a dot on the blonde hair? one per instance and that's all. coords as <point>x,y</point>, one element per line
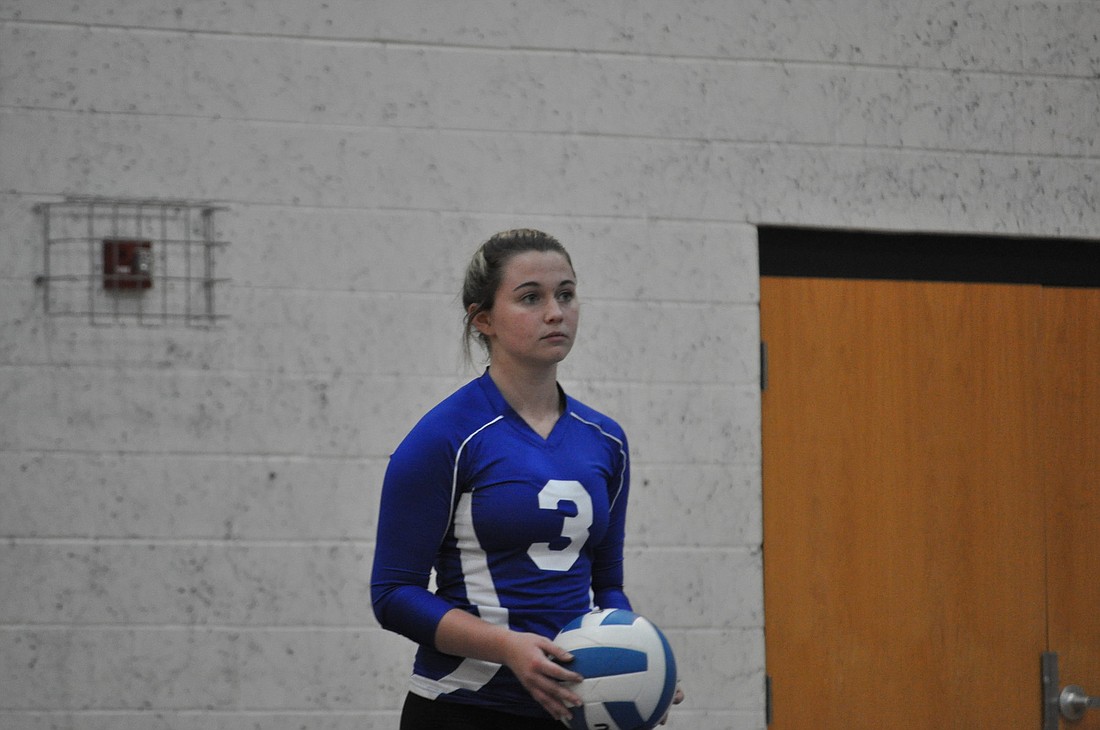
<point>486,270</point>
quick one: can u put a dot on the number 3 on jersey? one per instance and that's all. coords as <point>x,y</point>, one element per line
<point>575,528</point>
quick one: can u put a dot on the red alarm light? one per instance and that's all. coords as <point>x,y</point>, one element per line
<point>127,264</point>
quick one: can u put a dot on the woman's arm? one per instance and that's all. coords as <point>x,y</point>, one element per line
<point>607,558</point>
<point>532,658</point>
<point>413,517</point>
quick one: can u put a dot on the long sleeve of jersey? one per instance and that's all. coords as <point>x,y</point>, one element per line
<point>413,518</point>
<point>607,564</point>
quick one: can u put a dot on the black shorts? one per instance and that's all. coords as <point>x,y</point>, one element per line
<point>423,714</point>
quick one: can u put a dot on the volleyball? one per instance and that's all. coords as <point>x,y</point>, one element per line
<point>628,668</point>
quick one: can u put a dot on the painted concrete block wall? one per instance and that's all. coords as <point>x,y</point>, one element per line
<point>188,513</point>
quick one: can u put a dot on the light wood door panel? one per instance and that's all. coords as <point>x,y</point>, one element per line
<point>1070,432</point>
<point>911,449</point>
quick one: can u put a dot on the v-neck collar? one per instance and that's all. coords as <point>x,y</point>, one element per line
<point>500,405</point>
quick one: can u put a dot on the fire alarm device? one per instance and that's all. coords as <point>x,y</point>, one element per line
<point>127,264</point>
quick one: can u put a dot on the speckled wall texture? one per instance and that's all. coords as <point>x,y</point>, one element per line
<point>187,513</point>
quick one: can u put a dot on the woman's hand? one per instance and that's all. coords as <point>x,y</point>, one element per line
<point>535,661</point>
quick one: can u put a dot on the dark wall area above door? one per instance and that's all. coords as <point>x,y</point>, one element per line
<point>810,252</point>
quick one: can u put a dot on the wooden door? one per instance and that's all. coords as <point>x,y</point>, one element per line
<point>906,527</point>
<point>1070,437</point>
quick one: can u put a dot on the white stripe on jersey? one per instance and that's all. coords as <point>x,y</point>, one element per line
<point>480,590</point>
<point>458,457</point>
<point>471,674</point>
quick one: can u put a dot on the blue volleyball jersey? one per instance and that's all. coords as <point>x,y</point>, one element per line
<point>521,531</point>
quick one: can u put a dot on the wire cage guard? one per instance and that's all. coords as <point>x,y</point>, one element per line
<point>112,261</point>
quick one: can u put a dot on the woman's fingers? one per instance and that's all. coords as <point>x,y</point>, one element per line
<point>676,699</point>
<point>541,667</point>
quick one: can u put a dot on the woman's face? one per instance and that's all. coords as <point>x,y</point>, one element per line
<point>535,312</point>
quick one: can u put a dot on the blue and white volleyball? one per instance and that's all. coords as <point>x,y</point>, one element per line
<point>628,668</point>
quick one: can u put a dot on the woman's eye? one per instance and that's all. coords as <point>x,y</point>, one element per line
<point>566,296</point>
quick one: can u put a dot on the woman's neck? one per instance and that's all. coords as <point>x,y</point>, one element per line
<point>532,395</point>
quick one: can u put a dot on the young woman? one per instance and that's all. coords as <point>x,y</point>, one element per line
<point>515,494</point>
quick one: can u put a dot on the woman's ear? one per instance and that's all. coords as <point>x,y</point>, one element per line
<point>482,320</point>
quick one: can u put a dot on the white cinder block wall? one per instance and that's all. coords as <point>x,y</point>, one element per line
<point>187,514</point>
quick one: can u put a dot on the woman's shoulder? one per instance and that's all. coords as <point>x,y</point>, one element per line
<point>595,418</point>
<point>455,416</point>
